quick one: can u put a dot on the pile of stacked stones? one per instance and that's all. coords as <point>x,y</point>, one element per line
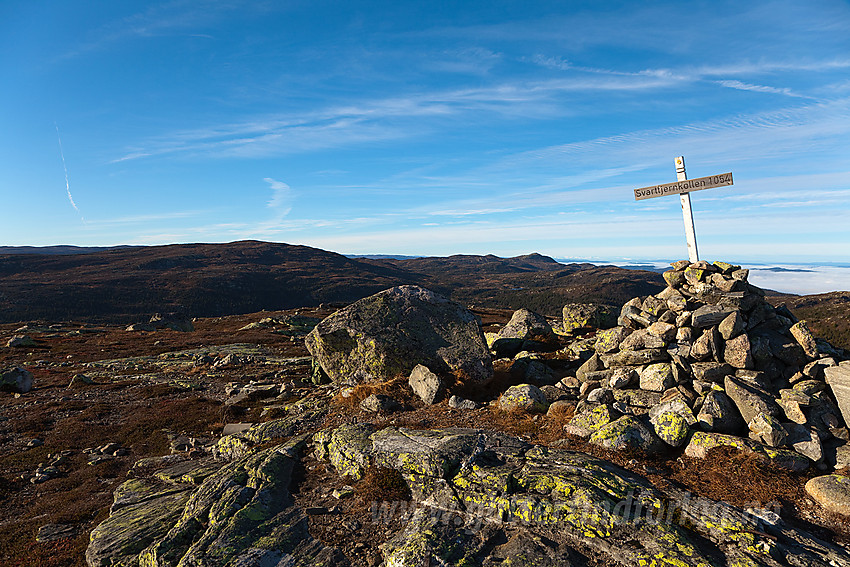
<point>709,362</point>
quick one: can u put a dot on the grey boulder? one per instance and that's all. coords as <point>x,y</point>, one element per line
<point>389,333</point>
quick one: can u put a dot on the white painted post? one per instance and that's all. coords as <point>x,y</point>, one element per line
<point>687,214</point>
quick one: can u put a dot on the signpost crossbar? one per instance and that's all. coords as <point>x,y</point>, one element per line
<point>683,187</point>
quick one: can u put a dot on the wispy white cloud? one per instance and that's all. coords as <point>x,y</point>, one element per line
<point>176,16</point>
<point>67,181</point>
<point>281,200</point>
<point>738,85</point>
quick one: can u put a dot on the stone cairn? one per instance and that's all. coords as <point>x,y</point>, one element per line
<point>708,362</point>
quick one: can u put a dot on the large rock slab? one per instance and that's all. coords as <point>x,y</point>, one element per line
<point>389,333</point>
<point>478,498</point>
<point>838,378</point>
<point>243,515</point>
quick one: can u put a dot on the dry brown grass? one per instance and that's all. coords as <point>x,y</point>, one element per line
<point>382,484</point>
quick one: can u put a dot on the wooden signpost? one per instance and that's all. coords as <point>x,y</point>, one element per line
<point>683,188</point>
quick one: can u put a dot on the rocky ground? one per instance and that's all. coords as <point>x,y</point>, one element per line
<point>228,444</point>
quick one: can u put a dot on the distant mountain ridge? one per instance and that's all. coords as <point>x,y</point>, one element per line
<point>62,249</point>
<point>204,280</point>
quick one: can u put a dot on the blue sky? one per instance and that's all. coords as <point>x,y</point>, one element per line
<point>428,128</point>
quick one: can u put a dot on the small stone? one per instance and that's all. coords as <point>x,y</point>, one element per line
<point>54,532</point>
<point>622,377</point>
<point>741,275</point>
<point>657,377</point>
<point>709,315</point>
<point>685,335</point>
<point>525,397</point>
<point>793,411</point>
<point>738,353</point>
<point>719,414</point>
<point>79,380</point>
<point>805,441</point>
<point>425,384</point>
<point>560,407</point>
<point>749,400</point>
<point>665,331</point>
<point>344,492</point>
<point>108,449</point>
<point>731,326</point>
<point>671,428</point>
<point>457,402</point>
<point>600,395</point>
<point>379,403</point>
<point>801,333</point>
<point>553,393</point>
<point>592,364</point>
<point>768,430</point>
<point>21,341</point>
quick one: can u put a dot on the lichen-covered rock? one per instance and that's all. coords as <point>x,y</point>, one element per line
<point>671,427</point>
<point>609,340</point>
<point>301,414</point>
<point>584,315</point>
<point>479,498</point>
<point>526,397</point>
<point>588,421</point>
<point>119,539</point>
<point>637,357</point>
<point>243,515</point>
<point>701,442</point>
<point>832,492</point>
<point>348,448</point>
<point>389,333</point>
<point>627,432</point>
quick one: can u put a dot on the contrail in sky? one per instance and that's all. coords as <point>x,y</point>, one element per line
<point>67,185</point>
